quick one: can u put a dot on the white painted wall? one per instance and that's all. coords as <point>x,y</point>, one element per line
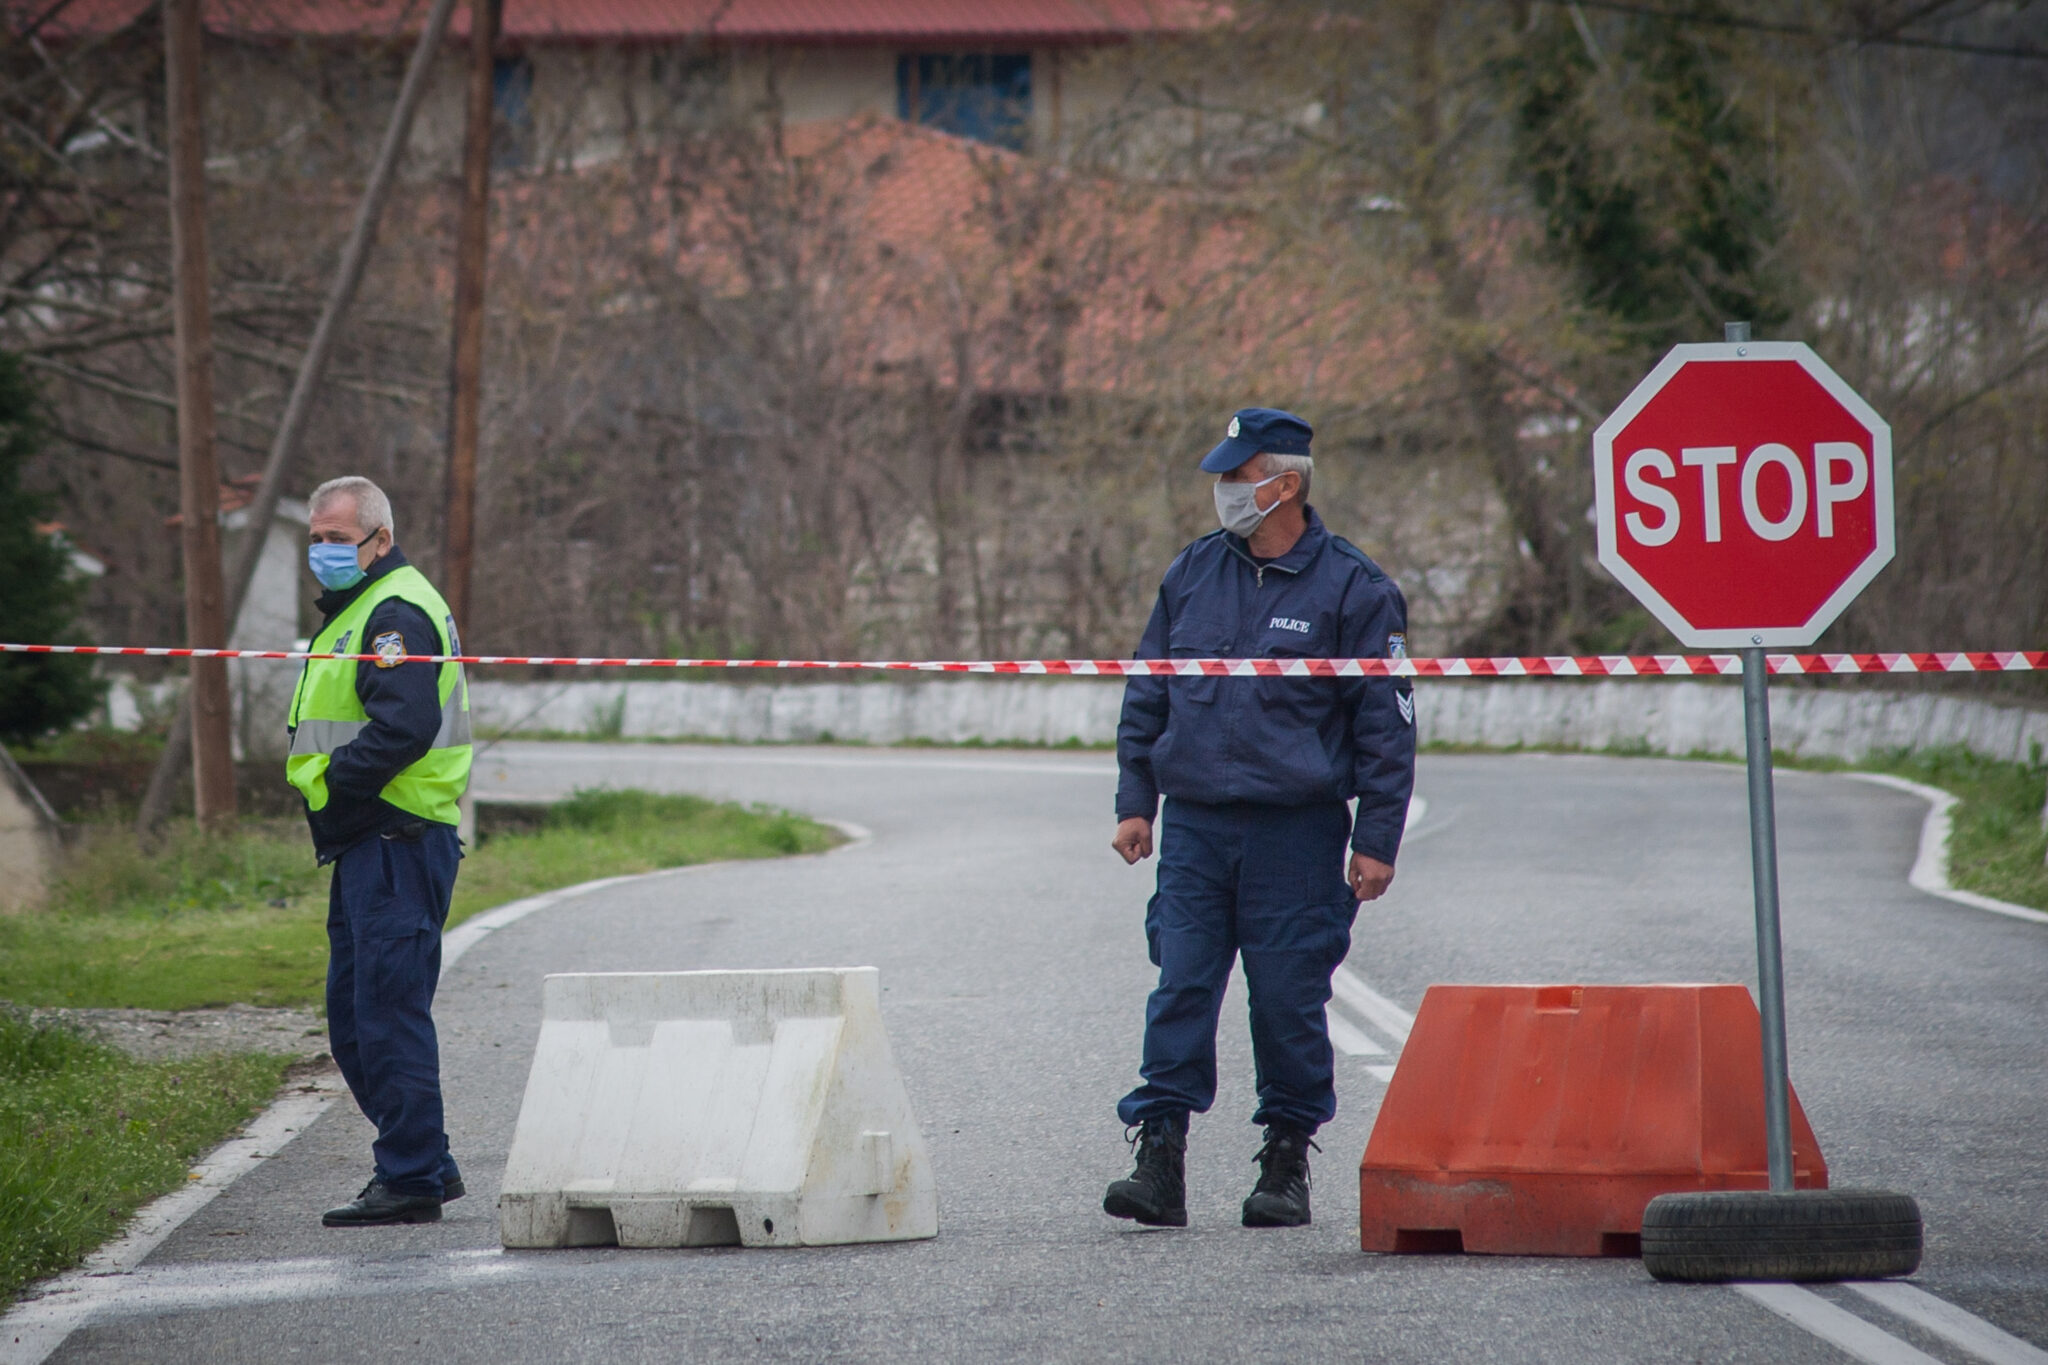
<point>262,688</point>
<point>943,711</point>
<point>1660,716</point>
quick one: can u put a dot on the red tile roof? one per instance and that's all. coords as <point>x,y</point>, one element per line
<point>925,250</point>
<point>911,22</point>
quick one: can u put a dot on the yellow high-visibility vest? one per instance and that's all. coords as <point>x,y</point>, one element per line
<point>326,712</point>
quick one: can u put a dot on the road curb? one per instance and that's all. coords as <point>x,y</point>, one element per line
<point>1930,868</point>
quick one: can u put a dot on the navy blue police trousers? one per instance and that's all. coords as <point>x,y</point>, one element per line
<point>1265,884</point>
<point>385,909</point>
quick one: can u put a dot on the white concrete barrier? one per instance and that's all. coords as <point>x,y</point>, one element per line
<point>669,1109</point>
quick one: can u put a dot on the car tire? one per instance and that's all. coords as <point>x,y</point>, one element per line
<point>1720,1235</point>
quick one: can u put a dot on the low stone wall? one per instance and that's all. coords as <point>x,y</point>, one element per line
<point>942,711</point>
<point>1687,717</point>
<point>1656,716</point>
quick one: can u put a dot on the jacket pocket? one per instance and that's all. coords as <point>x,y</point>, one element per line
<point>1196,639</point>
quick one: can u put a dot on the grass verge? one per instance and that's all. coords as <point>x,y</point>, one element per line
<point>215,921</point>
<point>88,1136</point>
<point>1996,844</point>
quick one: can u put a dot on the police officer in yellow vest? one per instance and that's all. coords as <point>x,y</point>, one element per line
<point>380,751</point>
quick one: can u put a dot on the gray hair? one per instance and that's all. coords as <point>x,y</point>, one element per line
<point>373,509</point>
<point>1303,465</point>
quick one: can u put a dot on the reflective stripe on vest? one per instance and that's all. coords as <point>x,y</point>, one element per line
<point>325,736</point>
<point>327,714</point>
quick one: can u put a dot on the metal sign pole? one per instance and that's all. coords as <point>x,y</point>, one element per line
<point>1770,958</point>
<point>1763,863</point>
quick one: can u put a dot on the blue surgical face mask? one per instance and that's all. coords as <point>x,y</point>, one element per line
<point>336,566</point>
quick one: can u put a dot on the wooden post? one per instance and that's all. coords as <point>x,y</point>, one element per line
<point>298,409</point>
<point>466,359</point>
<point>206,625</point>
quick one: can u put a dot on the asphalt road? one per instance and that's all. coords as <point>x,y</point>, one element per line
<point>1013,964</point>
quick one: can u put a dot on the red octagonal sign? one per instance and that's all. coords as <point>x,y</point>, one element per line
<point>1744,494</point>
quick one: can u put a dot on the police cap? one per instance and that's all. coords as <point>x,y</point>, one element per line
<point>1253,430</point>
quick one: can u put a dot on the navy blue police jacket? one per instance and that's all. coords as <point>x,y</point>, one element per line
<point>1274,741</point>
<point>403,702</point>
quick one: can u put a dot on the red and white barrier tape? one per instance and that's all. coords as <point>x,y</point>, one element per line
<point>1546,666</point>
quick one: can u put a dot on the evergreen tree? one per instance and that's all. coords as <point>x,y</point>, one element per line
<point>38,596</point>
<point>1652,177</point>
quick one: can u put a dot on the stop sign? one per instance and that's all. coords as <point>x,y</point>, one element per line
<point>1744,494</point>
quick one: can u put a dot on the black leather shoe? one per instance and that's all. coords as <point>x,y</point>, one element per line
<point>380,1206</point>
<point>452,1191</point>
<point>1280,1199</point>
<point>1156,1192</point>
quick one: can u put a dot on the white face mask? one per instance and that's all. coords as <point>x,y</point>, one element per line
<point>1237,506</point>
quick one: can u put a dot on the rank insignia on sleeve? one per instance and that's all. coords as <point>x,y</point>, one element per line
<point>1406,704</point>
<point>390,649</point>
<point>1397,645</point>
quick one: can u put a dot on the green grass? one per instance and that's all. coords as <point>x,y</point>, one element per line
<point>88,1136</point>
<point>242,919</point>
<point>1996,845</point>
<point>612,833</point>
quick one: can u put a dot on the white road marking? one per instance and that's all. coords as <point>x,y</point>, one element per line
<point>1349,1039</point>
<point>1382,1013</point>
<point>1930,868</point>
<point>473,930</point>
<point>1952,1324</point>
<point>160,1290</point>
<point>1418,808</point>
<point>1836,1326</point>
<point>1383,1073</point>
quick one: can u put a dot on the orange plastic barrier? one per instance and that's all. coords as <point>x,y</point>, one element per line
<point>1540,1120</point>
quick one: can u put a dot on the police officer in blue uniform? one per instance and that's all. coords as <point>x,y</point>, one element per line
<point>1259,858</point>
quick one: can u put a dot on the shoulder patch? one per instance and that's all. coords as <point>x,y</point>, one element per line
<point>1397,645</point>
<point>389,648</point>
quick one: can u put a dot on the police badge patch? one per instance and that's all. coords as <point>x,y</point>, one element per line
<point>390,649</point>
<point>1233,427</point>
<point>1397,646</point>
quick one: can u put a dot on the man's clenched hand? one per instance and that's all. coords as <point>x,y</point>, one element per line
<point>1369,877</point>
<point>1133,839</point>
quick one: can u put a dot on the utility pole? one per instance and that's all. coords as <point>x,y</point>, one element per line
<point>298,409</point>
<point>206,625</point>
<point>466,361</point>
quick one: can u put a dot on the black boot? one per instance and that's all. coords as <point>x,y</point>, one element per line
<point>379,1205</point>
<point>1280,1199</point>
<point>1156,1193</point>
